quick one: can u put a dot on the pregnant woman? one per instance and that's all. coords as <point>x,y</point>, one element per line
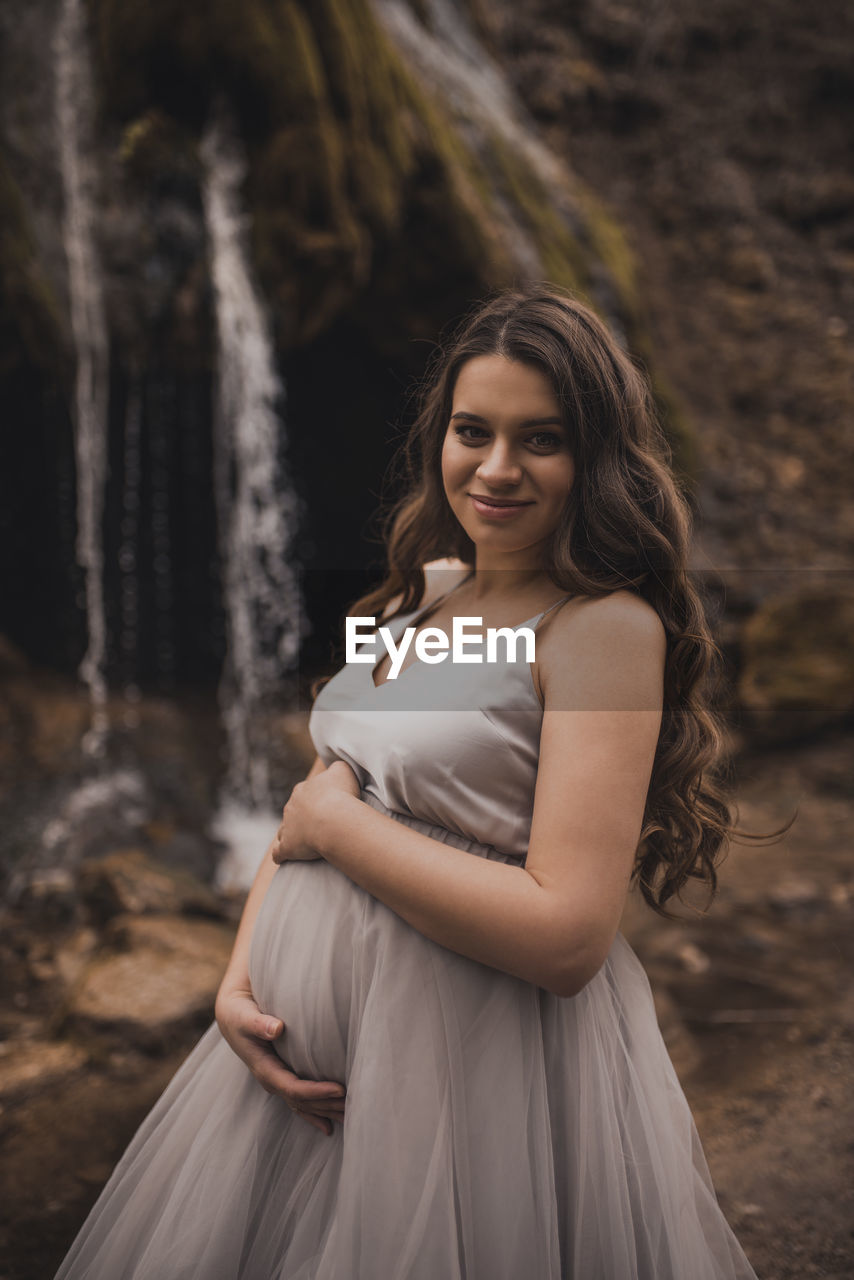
<point>435,1056</point>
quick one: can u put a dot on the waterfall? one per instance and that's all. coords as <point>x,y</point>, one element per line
<point>437,39</point>
<point>74,113</point>
<point>110,802</point>
<point>256,509</point>
<point>440,41</point>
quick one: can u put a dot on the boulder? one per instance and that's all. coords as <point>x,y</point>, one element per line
<point>27,1066</point>
<point>157,975</point>
<point>131,882</point>
<point>71,956</point>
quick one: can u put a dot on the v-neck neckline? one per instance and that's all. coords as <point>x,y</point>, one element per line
<point>418,617</point>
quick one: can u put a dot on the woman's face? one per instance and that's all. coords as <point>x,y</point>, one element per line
<point>505,441</point>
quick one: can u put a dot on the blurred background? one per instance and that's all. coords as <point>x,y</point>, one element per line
<point>230,237</point>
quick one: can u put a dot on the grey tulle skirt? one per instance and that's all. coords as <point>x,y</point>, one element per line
<point>492,1130</point>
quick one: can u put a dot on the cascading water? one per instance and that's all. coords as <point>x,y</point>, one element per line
<point>89,329</point>
<point>106,799</point>
<point>257,512</point>
<point>256,508</point>
<point>438,40</point>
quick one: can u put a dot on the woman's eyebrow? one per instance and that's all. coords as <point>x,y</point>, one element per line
<point>529,422</point>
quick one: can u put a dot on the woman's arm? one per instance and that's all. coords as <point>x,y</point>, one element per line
<point>552,922</point>
<point>250,1032</point>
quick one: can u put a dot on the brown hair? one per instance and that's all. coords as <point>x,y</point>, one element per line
<point>626,525</point>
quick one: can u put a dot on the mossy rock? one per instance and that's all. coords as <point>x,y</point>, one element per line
<point>155,147</point>
<point>362,185</point>
<point>562,255</point>
<point>797,674</point>
<point>341,137</point>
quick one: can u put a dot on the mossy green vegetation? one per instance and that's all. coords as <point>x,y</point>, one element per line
<point>339,134</point>
<point>350,153</point>
<point>556,243</point>
<point>154,145</point>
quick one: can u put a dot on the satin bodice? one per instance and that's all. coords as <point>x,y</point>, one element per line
<point>453,744</point>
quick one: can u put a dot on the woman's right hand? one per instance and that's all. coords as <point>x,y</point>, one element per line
<point>250,1033</point>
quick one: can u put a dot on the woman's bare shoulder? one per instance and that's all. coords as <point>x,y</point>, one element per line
<point>439,577</point>
<point>621,625</point>
<point>622,608</point>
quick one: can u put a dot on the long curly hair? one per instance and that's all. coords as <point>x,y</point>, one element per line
<point>626,525</point>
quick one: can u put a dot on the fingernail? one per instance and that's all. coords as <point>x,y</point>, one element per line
<point>272,1028</point>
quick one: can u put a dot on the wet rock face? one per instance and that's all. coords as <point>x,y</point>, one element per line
<point>353,147</point>
<point>376,216</point>
<point>797,676</point>
<point>35,328</point>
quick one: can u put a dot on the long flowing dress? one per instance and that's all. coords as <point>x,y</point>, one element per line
<point>492,1130</point>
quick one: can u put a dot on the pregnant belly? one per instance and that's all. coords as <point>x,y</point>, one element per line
<point>352,981</point>
<point>308,947</point>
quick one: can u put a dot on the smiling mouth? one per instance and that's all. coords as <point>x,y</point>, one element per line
<point>498,502</point>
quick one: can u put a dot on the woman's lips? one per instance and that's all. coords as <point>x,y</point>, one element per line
<point>494,511</point>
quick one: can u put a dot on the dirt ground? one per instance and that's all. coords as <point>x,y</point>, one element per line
<point>765,1039</point>
<point>755,1001</point>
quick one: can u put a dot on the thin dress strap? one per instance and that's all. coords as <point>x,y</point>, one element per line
<point>415,617</point>
<point>563,600</point>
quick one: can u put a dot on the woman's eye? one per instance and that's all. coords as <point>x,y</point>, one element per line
<point>541,439</point>
<point>466,426</point>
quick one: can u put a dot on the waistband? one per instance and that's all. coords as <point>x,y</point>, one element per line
<point>443,834</point>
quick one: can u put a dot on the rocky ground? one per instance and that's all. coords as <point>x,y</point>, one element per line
<point>101,1003</point>
<point>755,1001</point>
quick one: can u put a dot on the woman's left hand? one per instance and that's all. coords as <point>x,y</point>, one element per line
<point>307,801</point>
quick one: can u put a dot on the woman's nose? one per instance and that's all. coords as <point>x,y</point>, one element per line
<point>500,466</point>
